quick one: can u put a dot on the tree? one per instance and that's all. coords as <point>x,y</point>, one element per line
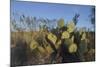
<point>75,18</point>
<point>92,17</point>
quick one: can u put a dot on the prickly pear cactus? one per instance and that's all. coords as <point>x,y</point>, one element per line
<point>52,38</point>
<point>60,23</point>
<point>65,35</point>
<point>72,48</point>
<point>33,45</point>
<point>71,27</point>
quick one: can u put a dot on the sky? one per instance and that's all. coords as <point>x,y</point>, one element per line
<point>53,11</point>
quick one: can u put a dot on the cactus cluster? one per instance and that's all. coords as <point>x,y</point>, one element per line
<point>51,42</point>
<point>62,44</point>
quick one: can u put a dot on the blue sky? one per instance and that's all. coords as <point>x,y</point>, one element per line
<point>53,11</point>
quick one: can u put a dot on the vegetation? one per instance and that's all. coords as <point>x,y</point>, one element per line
<point>46,43</point>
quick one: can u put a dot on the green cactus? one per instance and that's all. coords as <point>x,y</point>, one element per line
<point>60,23</point>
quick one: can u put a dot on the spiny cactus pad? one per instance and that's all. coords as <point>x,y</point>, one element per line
<point>65,35</point>
<point>72,48</point>
<point>52,38</point>
<point>33,45</point>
